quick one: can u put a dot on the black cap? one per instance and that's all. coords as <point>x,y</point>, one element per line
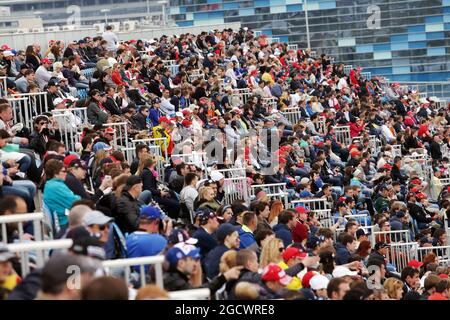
<point>53,83</point>
<point>381,245</point>
<point>400,214</point>
<point>133,180</point>
<point>88,246</point>
<point>77,163</point>
<point>360,233</point>
<point>204,215</point>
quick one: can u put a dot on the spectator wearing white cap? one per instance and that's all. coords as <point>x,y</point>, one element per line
<point>319,284</point>
<point>97,224</point>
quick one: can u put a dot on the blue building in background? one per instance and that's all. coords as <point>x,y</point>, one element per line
<point>402,40</point>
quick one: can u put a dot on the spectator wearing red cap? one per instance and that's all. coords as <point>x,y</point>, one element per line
<point>418,209</point>
<point>274,280</point>
<point>42,75</point>
<point>162,131</point>
<point>301,229</point>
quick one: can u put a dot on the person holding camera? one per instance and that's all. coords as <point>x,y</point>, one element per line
<point>43,132</point>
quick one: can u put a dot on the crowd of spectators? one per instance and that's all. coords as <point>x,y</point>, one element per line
<point>224,98</point>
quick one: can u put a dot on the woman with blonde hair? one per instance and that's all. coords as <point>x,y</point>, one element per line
<point>206,199</point>
<point>394,288</point>
<point>271,252</point>
<point>275,208</point>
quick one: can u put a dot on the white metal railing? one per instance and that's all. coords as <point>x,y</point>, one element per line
<point>22,112</point>
<point>243,94</point>
<point>20,219</point>
<point>41,248</point>
<point>342,134</point>
<point>273,190</point>
<point>320,125</point>
<point>127,264</point>
<point>196,158</point>
<point>269,102</point>
<point>392,236</point>
<point>442,252</point>
<point>399,254</point>
<point>312,204</point>
<point>120,136</point>
<point>293,115</point>
<point>324,218</point>
<point>194,294</point>
<point>362,219</point>
<point>374,145</point>
<point>70,123</point>
<point>38,100</point>
<point>445,181</point>
<point>235,189</point>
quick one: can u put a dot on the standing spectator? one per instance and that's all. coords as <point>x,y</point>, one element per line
<point>111,39</point>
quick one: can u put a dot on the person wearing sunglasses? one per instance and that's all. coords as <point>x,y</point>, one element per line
<point>57,196</point>
<point>42,134</point>
<point>98,225</point>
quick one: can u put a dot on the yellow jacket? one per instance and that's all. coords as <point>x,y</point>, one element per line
<point>296,283</point>
<point>159,132</point>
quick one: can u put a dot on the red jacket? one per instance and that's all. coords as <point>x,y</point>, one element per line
<point>117,78</point>
<point>437,296</point>
<point>355,130</point>
<point>353,79</point>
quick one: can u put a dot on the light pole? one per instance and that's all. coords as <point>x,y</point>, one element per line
<point>305,4</point>
<point>105,11</point>
<point>163,3</point>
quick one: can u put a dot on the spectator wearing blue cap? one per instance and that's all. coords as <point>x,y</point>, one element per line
<point>228,237</point>
<point>204,234</point>
<point>185,271</point>
<point>101,146</point>
<point>146,241</point>
<point>182,259</point>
